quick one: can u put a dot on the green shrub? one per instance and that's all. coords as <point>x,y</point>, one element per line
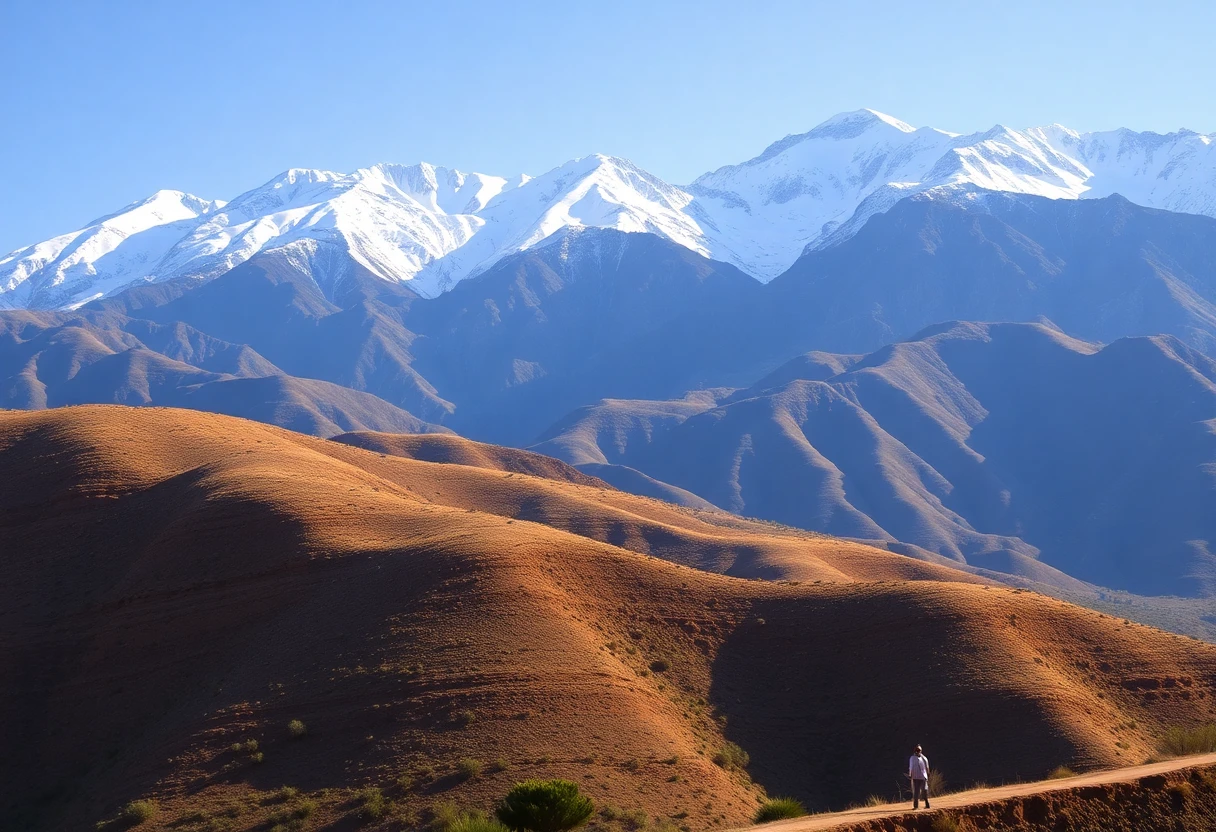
<point>295,728</point>
<point>1181,742</point>
<point>545,806</point>
<point>779,808</point>
<point>372,805</point>
<point>732,756</point>
<point>443,815</point>
<point>465,718</point>
<point>468,768</point>
<point>251,746</point>
<point>288,793</point>
<point>258,757</point>
<point>137,812</point>
<point>1061,773</point>
<point>304,809</point>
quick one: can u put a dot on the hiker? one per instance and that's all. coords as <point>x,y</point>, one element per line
<point>918,770</point>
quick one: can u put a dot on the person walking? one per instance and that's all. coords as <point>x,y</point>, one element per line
<point>918,771</point>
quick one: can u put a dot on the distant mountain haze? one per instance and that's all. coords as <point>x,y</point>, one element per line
<point>1006,446</point>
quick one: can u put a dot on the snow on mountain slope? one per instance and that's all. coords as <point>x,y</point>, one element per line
<point>107,254</point>
<point>434,226</point>
<point>812,189</point>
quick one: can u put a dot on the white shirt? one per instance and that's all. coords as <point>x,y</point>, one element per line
<point>918,767</point>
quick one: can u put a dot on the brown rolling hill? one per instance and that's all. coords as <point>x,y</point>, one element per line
<point>453,450</point>
<point>177,583</point>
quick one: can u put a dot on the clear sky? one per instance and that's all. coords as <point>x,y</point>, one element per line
<point>104,103</point>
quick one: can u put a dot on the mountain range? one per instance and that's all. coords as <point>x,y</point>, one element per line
<point>1011,447</point>
<point>863,391</point>
<point>433,226</point>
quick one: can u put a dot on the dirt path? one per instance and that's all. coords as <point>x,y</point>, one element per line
<point>954,801</point>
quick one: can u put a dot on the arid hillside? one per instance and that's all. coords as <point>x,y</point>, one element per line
<point>181,585</point>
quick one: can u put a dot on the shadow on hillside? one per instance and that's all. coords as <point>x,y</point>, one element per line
<point>829,698</point>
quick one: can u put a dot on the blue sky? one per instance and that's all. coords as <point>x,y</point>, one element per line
<point>105,103</point>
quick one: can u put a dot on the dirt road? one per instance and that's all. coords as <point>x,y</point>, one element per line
<point>954,801</point>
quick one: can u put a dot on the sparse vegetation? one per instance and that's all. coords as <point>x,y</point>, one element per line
<point>945,823</point>
<point>875,800</point>
<point>475,822</point>
<point>1180,793</point>
<point>779,808</point>
<point>251,746</point>
<point>545,806</point>
<point>468,768</point>
<point>732,756</point>
<point>1060,773</point>
<point>937,783</point>
<point>372,805</point>
<point>137,812</point>
<point>465,718</point>
<point>660,665</point>
<point>296,729</point>
<point>1180,742</point>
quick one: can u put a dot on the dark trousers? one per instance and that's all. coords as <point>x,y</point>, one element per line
<point>920,788</point>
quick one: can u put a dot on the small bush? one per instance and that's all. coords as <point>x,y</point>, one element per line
<point>1181,742</point>
<point>251,746</point>
<point>304,809</point>
<point>660,665</point>
<point>1180,793</point>
<point>296,729</point>
<point>875,800</point>
<point>1061,773</point>
<point>468,768</point>
<point>732,756</point>
<point>288,793</point>
<point>465,718</point>
<point>634,819</point>
<point>257,758</point>
<point>499,765</point>
<point>443,815</point>
<point>937,783</point>
<point>137,812</point>
<point>779,808</point>
<point>372,805</point>
<point>545,806</point>
<point>945,823</point>
<point>475,822</point>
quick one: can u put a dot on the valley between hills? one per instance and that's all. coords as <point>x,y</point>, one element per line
<point>444,619</point>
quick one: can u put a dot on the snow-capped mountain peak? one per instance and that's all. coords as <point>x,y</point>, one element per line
<point>433,226</point>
